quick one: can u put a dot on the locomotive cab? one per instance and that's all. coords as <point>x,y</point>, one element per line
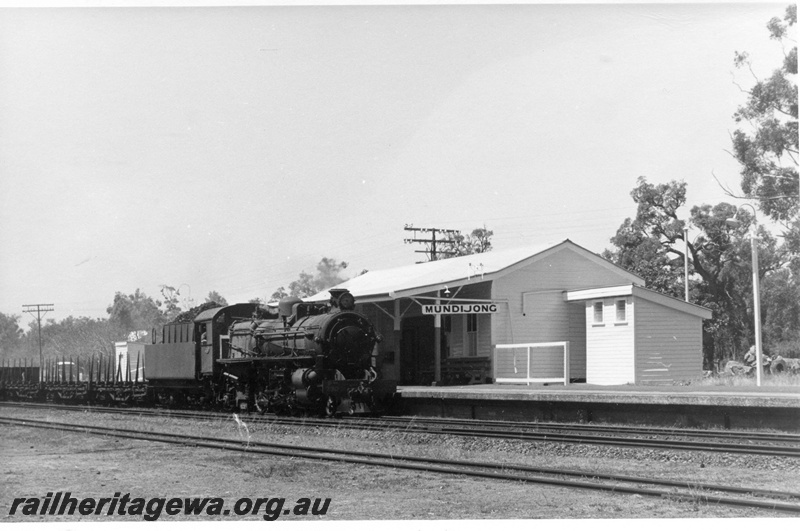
<point>187,352</point>
<point>213,340</point>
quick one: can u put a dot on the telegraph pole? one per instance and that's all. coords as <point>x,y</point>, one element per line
<point>431,242</point>
<point>40,310</point>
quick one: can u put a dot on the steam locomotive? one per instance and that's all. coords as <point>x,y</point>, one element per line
<point>308,358</point>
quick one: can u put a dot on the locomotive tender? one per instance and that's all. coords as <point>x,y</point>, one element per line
<point>306,358</point>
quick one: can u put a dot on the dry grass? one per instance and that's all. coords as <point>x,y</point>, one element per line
<point>768,380</point>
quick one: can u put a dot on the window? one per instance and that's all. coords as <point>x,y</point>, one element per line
<point>471,346</point>
<point>598,312</point>
<point>472,322</point>
<point>621,306</point>
<point>447,329</point>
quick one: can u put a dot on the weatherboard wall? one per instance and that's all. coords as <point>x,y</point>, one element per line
<point>536,310</point>
<point>668,344</point>
<point>610,343</point>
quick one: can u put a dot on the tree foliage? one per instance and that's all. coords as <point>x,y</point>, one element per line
<point>329,273</point>
<point>766,144</point>
<point>478,241</point>
<point>136,312</point>
<point>781,309</point>
<point>70,338</point>
<point>766,140</point>
<point>646,256</point>
<point>652,245</point>
<point>11,335</point>
<point>172,304</point>
<point>213,296</point>
<point>82,337</point>
<point>646,245</point>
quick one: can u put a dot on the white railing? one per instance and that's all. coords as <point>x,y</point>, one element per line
<point>525,363</point>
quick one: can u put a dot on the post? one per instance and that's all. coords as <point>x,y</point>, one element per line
<point>397,334</point>
<point>40,309</point>
<point>528,367</point>
<point>756,308</point>
<point>437,344</point>
<point>733,222</point>
<point>432,251</point>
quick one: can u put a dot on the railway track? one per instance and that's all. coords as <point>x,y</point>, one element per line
<point>667,489</point>
<point>772,438</point>
<point>753,443</point>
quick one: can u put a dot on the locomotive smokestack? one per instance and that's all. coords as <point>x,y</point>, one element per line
<point>342,298</point>
<point>336,293</point>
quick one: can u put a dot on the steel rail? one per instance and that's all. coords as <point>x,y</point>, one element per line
<point>457,467</point>
<point>537,426</point>
<point>681,432</point>
<point>432,426</point>
<point>545,436</point>
<point>777,451</point>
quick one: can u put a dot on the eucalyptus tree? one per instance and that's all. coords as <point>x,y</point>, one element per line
<point>765,142</point>
<point>652,245</point>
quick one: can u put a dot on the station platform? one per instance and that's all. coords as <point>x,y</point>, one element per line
<point>741,407</point>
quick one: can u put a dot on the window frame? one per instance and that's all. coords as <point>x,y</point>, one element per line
<point>624,320</point>
<point>595,321</point>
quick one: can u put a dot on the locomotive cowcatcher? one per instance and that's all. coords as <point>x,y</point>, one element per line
<point>306,358</point>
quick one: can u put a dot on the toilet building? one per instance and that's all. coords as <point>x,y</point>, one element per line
<point>554,313</point>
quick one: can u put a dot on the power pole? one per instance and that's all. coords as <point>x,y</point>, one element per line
<point>40,309</point>
<point>431,242</point>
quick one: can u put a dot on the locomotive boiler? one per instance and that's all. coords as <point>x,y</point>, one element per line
<point>307,357</point>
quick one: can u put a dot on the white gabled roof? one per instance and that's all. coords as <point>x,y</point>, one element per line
<point>410,280</point>
<point>598,293</point>
<point>637,291</point>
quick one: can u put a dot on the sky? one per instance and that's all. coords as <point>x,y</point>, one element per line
<point>229,148</point>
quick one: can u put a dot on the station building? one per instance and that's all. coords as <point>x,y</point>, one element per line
<point>555,313</point>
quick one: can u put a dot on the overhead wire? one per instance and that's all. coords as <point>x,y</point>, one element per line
<point>255,278</point>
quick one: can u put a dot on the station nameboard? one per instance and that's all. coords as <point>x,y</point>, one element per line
<point>449,309</point>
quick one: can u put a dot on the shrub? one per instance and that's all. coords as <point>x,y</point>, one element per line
<point>786,349</point>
